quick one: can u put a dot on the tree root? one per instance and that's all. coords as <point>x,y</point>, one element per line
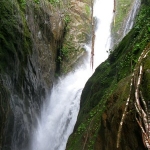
<point>142,110</point>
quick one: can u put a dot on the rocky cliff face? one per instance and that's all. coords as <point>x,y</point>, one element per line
<point>32,34</point>
<point>79,29</point>
<point>28,52</point>
<point>108,118</point>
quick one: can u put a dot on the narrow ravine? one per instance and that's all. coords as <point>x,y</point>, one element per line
<point>59,113</point>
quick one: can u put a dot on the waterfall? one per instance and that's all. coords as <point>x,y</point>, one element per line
<point>130,20</point>
<point>59,113</point>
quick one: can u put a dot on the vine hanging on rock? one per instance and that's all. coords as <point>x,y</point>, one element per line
<point>142,107</point>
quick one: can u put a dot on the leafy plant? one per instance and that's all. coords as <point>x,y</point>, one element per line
<point>65,51</point>
<point>67,19</point>
<point>87,9</point>
<point>37,1</point>
<point>22,2</point>
<point>149,29</point>
<point>53,2</point>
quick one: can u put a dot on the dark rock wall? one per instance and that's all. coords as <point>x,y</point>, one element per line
<point>28,49</point>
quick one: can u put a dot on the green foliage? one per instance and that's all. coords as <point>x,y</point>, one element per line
<point>22,3</point>
<point>87,9</point>
<point>54,2</point>
<point>14,44</point>
<point>65,56</point>
<point>67,18</point>
<point>37,1</point>
<point>81,128</point>
<point>149,29</point>
<point>65,51</point>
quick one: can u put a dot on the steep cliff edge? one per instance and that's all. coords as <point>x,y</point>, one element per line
<point>108,118</point>
<point>32,34</point>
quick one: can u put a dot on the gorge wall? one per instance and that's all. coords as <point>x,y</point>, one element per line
<point>35,43</point>
<point>108,118</point>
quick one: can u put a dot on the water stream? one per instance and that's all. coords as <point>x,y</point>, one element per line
<point>59,113</point>
<point>131,17</point>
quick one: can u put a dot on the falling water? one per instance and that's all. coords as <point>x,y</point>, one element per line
<point>131,17</point>
<point>59,114</point>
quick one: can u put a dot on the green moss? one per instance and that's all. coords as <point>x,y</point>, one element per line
<point>54,2</point>
<point>22,3</point>
<point>87,9</point>
<point>15,38</point>
<point>37,1</point>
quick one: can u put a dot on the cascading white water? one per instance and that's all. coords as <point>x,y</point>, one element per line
<point>103,11</point>
<point>130,20</point>
<point>59,114</point>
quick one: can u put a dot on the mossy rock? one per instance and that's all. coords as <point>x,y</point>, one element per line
<point>15,40</point>
<point>78,33</point>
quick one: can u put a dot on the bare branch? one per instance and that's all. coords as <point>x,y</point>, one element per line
<point>124,114</point>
